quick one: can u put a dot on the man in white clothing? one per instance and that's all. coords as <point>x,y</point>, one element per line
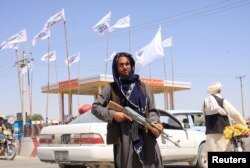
<point>217,112</point>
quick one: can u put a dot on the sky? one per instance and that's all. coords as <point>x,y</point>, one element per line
<point>211,42</point>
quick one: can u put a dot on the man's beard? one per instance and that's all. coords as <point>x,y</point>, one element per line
<point>125,76</point>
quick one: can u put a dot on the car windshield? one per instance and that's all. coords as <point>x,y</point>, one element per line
<point>196,119</point>
<point>168,121</point>
<point>86,117</point>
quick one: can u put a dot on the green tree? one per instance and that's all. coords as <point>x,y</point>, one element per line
<point>36,117</point>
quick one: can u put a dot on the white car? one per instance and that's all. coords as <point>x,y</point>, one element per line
<point>193,119</point>
<point>83,142</point>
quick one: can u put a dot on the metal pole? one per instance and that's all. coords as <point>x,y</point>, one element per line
<point>67,57</point>
<point>48,85</point>
<point>173,85</point>
<point>241,88</point>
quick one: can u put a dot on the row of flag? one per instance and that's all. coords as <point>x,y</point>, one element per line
<point>51,56</point>
<point>151,51</point>
<point>21,36</point>
<point>13,42</point>
<point>104,24</point>
<point>145,55</point>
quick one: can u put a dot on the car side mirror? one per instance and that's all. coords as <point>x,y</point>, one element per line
<point>186,125</point>
<point>185,120</point>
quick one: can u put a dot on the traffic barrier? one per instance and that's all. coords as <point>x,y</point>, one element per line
<point>36,144</point>
<point>27,146</point>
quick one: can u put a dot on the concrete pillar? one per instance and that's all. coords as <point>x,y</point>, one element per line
<point>166,101</point>
<point>172,100</point>
<point>61,107</point>
<point>70,103</point>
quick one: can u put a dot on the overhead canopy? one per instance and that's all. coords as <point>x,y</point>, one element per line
<point>92,85</point>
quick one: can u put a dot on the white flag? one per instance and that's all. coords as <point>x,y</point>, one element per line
<point>49,57</point>
<point>103,25</point>
<point>111,57</point>
<point>14,40</point>
<point>122,23</point>
<point>168,42</point>
<point>150,52</point>
<point>24,69</point>
<point>72,59</point>
<point>43,34</point>
<point>7,45</point>
<point>57,18</point>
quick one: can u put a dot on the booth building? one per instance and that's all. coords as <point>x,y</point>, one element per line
<point>93,85</point>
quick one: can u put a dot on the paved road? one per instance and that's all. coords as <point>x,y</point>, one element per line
<point>247,144</point>
<point>25,162</point>
<point>28,162</point>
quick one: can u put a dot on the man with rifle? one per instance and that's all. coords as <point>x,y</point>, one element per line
<point>134,146</point>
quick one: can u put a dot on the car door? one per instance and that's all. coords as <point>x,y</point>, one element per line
<point>176,133</point>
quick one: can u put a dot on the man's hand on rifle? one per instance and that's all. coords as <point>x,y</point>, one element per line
<point>121,117</point>
<point>156,131</point>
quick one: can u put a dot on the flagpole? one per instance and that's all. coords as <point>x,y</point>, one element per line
<point>78,84</point>
<point>31,93</point>
<point>21,79</point>
<point>47,95</point>
<point>129,45</point>
<point>18,74</point>
<point>29,83</point>
<point>27,61</point>
<point>21,84</point>
<point>172,67</point>
<point>150,70</point>
<point>164,66</point>
<point>169,95</point>
<point>57,80</point>
<point>107,52</point>
<point>23,93</point>
<point>56,75</point>
<point>165,74</point>
<point>66,46</point>
<point>67,57</point>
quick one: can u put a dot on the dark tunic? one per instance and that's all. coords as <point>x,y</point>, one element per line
<point>119,134</point>
<point>216,123</point>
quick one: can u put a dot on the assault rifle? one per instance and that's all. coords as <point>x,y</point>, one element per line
<point>140,119</point>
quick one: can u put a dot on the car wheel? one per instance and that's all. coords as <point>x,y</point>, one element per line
<point>70,166</point>
<point>65,166</point>
<point>201,157</point>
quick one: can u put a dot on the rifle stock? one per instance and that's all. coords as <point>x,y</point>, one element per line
<point>114,106</point>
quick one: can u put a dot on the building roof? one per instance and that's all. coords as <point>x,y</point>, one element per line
<point>92,85</point>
